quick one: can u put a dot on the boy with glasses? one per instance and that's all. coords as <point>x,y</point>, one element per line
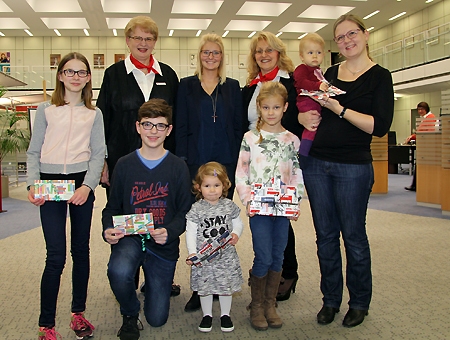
<point>148,180</point>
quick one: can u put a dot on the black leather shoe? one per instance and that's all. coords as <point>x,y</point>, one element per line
<point>326,315</point>
<point>193,304</point>
<point>354,317</point>
<point>411,188</point>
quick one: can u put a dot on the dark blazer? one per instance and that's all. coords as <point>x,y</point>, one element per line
<point>120,99</point>
<point>289,120</point>
<point>188,116</point>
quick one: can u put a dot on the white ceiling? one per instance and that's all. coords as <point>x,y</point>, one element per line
<point>99,17</point>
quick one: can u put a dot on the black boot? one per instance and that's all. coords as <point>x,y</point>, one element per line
<point>193,304</point>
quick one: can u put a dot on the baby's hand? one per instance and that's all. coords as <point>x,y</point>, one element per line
<point>189,262</point>
<point>234,239</point>
<point>323,87</point>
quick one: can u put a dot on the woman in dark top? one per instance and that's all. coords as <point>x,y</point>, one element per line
<point>208,118</point>
<point>338,173</point>
<point>268,61</point>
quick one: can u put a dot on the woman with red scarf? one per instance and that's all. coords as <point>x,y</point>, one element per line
<point>268,61</point>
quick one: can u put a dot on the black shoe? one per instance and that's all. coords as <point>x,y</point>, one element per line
<point>206,324</point>
<point>326,315</point>
<point>193,304</point>
<point>130,328</point>
<point>354,317</point>
<point>411,188</point>
<point>226,325</point>
<point>176,290</point>
<point>285,288</point>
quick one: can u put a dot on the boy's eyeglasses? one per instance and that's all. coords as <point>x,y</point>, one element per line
<point>70,73</point>
<point>207,53</point>
<point>150,126</point>
<point>350,34</point>
<point>141,39</point>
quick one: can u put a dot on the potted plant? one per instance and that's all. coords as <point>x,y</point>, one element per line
<point>12,138</point>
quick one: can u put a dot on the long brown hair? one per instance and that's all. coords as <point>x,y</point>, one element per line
<point>60,90</point>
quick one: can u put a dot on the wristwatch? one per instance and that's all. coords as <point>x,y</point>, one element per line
<point>341,115</point>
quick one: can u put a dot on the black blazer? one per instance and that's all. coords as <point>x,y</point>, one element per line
<point>120,99</point>
<point>188,113</point>
<point>289,121</point>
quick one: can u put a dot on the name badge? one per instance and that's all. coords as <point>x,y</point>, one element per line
<point>163,83</point>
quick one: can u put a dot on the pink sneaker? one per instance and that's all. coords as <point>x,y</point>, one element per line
<point>82,328</point>
<point>46,333</point>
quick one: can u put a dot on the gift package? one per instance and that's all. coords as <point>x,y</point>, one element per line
<point>134,224</point>
<point>211,249</point>
<point>54,190</point>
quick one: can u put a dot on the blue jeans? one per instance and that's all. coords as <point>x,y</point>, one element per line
<point>126,257</point>
<point>53,219</point>
<point>269,237</point>
<point>338,195</point>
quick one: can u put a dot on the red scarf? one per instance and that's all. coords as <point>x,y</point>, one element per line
<point>267,77</point>
<point>140,65</point>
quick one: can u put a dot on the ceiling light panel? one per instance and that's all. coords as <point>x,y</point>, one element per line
<point>65,23</point>
<point>127,6</point>
<point>188,24</point>
<point>12,23</point>
<point>325,12</point>
<point>246,25</point>
<point>267,9</point>
<point>297,27</point>
<point>196,7</point>
<point>4,8</point>
<point>65,6</point>
<point>117,23</point>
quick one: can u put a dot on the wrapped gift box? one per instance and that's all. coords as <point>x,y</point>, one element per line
<point>134,224</point>
<point>211,249</point>
<point>54,190</point>
<point>274,199</point>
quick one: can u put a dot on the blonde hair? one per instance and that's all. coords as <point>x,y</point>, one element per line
<point>143,22</point>
<point>214,38</point>
<point>268,89</point>
<point>355,19</point>
<point>211,169</point>
<point>284,62</point>
<point>311,37</point>
<point>60,90</point>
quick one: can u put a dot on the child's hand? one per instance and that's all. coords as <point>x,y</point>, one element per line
<point>323,87</point>
<point>80,196</point>
<point>249,214</point>
<point>296,216</point>
<point>112,236</point>
<point>189,262</point>
<point>234,239</point>
<point>159,235</point>
<point>36,201</point>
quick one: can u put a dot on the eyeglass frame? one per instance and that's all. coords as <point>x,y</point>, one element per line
<point>341,38</point>
<point>266,51</point>
<point>141,39</point>
<point>151,125</point>
<point>75,72</point>
<point>215,53</point>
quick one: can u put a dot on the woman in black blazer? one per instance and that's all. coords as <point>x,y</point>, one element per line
<point>268,61</point>
<point>208,118</point>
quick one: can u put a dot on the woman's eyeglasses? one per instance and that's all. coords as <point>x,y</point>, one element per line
<point>350,34</point>
<point>141,39</point>
<point>207,53</point>
<point>150,126</point>
<point>267,51</point>
<point>70,73</point>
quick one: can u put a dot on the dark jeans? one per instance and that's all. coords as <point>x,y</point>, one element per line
<point>126,257</point>
<point>338,195</point>
<point>53,219</point>
<point>269,237</point>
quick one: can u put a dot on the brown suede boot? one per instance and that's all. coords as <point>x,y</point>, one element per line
<point>257,318</point>
<point>273,281</point>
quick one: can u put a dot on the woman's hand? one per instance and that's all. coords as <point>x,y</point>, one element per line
<point>36,201</point>
<point>309,119</point>
<point>105,175</point>
<point>112,236</point>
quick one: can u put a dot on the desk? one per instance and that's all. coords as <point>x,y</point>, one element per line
<point>400,154</point>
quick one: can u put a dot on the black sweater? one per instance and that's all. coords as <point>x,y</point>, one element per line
<point>163,191</point>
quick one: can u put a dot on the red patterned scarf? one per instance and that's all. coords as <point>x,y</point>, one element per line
<point>263,78</point>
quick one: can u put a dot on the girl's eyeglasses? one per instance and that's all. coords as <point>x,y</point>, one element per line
<point>70,73</point>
